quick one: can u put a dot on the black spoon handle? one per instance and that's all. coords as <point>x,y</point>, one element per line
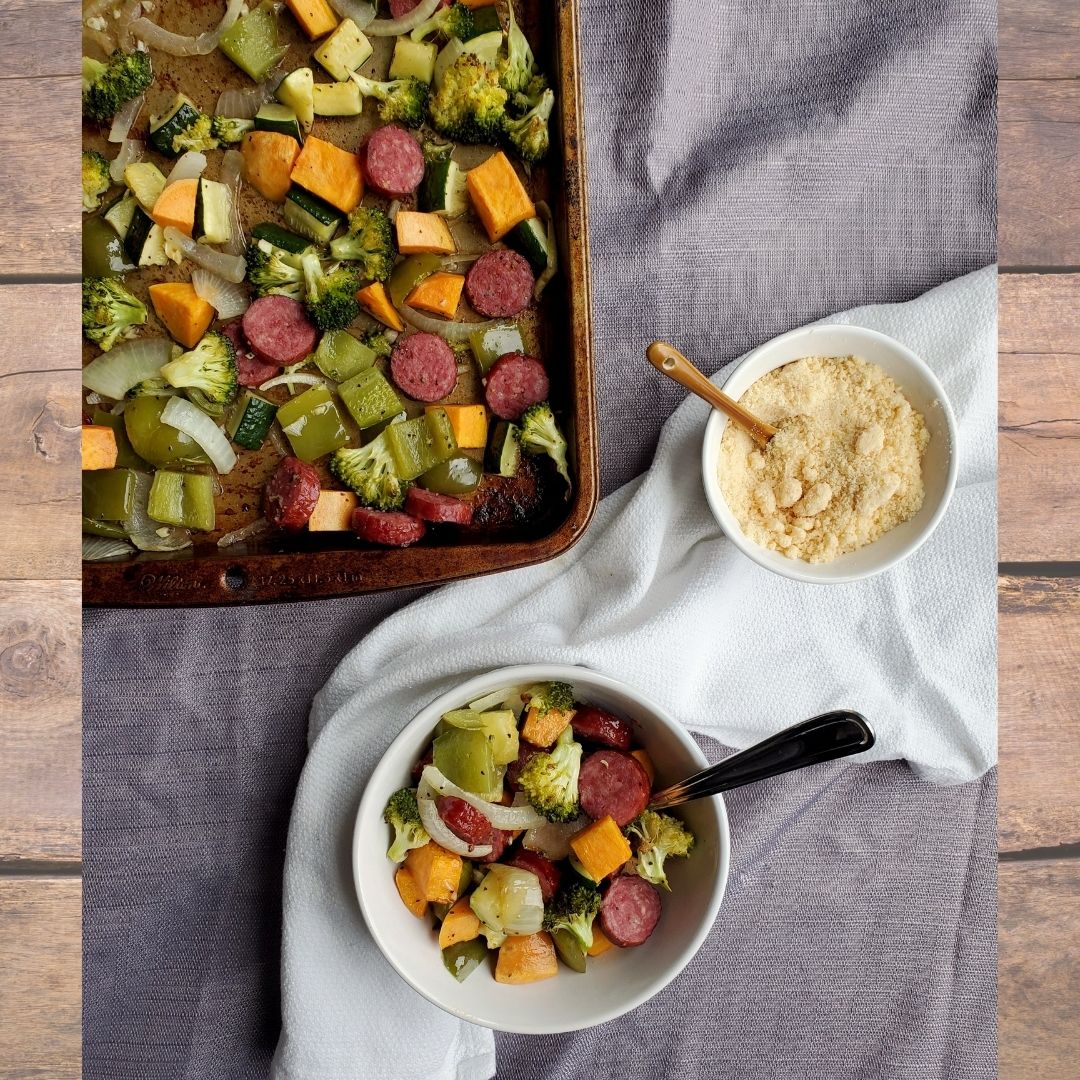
<point>821,738</point>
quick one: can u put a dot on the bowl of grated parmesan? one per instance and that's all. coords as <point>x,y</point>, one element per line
<point>862,466</point>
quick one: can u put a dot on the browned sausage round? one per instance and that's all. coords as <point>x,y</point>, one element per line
<point>599,726</point>
<point>250,370</point>
<point>630,910</point>
<point>548,872</point>
<point>464,820</point>
<point>431,506</point>
<point>393,162</point>
<point>424,366</point>
<point>388,527</point>
<point>291,494</point>
<point>499,284</point>
<point>500,841</point>
<point>613,783</point>
<point>526,752</point>
<point>515,382</point>
<point>278,330</point>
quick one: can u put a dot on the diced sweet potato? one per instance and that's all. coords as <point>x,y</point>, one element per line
<point>498,196</point>
<point>333,512</point>
<point>316,17</point>
<point>600,941</point>
<point>331,173</point>
<point>438,293</point>
<point>374,300</point>
<point>470,424</point>
<point>526,958</point>
<point>543,728</point>
<point>98,447</point>
<point>422,234</point>
<point>436,871</point>
<point>269,158</point>
<point>186,315</point>
<point>409,892</point>
<point>600,848</point>
<point>645,762</point>
<point>474,4</point>
<point>460,924</point>
<point>175,206</point>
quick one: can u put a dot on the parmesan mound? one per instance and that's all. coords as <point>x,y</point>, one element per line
<point>844,467</point>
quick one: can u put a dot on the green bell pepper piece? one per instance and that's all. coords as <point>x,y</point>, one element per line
<point>409,273</point>
<point>457,475</point>
<point>126,458</point>
<point>420,444</point>
<point>251,43</point>
<point>108,494</point>
<point>313,424</point>
<point>102,250</point>
<point>465,758</point>
<point>462,959</point>
<point>369,397</point>
<point>158,443</point>
<point>570,951</point>
<point>499,725</point>
<point>340,356</point>
<point>185,499</point>
<point>488,345</point>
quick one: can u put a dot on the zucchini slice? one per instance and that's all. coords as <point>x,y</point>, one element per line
<point>310,216</point>
<point>280,118</point>
<point>250,420</point>
<point>531,240</point>
<point>121,212</point>
<point>145,181</point>
<point>274,234</point>
<point>213,212</point>
<point>144,241</point>
<point>442,190</point>
<point>297,90</point>
<point>504,450</point>
<point>181,115</point>
<point>338,99</point>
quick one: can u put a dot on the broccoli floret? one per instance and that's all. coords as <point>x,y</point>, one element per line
<point>469,104</point>
<point>516,68</point>
<point>95,179</point>
<point>550,695</point>
<point>550,781</point>
<point>198,135</point>
<point>403,815</point>
<point>227,129</point>
<point>573,909</point>
<point>109,312</point>
<point>273,271</point>
<point>369,471</point>
<point>376,341</point>
<point>659,836</point>
<point>209,368</point>
<point>155,387</point>
<point>402,101</point>
<point>107,87</point>
<point>330,293</point>
<point>529,135</point>
<point>524,100</point>
<point>540,434</point>
<point>455,21</point>
<point>436,150</point>
<point>369,243</point>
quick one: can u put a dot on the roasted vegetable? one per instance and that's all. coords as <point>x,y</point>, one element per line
<point>106,87</point>
<point>401,101</point>
<point>109,312</point>
<point>658,837</point>
<point>573,909</point>
<point>540,434</point>
<point>455,21</point>
<point>516,68</point>
<point>95,179</point>
<point>369,471</point>
<point>550,781</point>
<point>403,815</point>
<point>529,135</point>
<point>469,105</point>
<point>369,243</point>
<point>330,293</point>
<point>228,130</point>
<point>273,271</point>
<point>599,849</point>
<point>525,959</point>
<point>209,368</point>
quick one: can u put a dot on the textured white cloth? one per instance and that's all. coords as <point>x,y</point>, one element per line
<point>655,595</point>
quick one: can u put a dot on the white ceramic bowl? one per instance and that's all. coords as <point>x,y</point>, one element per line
<point>923,391</point>
<point>615,982</point>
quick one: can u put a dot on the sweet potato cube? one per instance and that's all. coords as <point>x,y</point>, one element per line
<point>438,293</point>
<point>645,762</point>
<point>333,512</point>
<point>331,173</point>
<point>474,4</point>
<point>543,728</point>
<point>498,196</point>
<point>409,893</point>
<point>315,17</point>
<point>600,941</point>
<point>601,848</point>
<point>526,958</point>
<point>436,871</point>
<point>269,158</point>
<point>374,300</point>
<point>186,315</point>
<point>175,206</point>
<point>98,447</point>
<point>423,234</point>
<point>460,924</point>
<point>470,424</point>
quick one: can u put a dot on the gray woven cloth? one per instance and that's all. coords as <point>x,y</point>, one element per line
<point>754,164</point>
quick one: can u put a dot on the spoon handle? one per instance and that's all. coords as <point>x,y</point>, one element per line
<point>670,362</point>
<point>821,738</point>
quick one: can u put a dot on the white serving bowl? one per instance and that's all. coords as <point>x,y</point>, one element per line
<point>617,981</point>
<point>923,391</point>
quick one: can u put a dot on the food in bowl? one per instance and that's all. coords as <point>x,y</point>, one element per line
<point>843,469</point>
<point>528,835</point>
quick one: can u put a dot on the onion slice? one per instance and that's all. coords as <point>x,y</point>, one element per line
<point>100,548</point>
<point>301,378</point>
<point>191,420</point>
<point>182,45</point>
<point>226,298</point>
<point>390,27</point>
<point>147,534</point>
<point>360,11</point>
<point>451,331</point>
<point>244,104</point>
<point>130,150</point>
<point>230,267</point>
<point>125,119</point>
<point>114,373</point>
<point>238,536</point>
<point>189,166</point>
<point>552,839</point>
<point>439,831</point>
<point>232,165</point>
<point>509,818</point>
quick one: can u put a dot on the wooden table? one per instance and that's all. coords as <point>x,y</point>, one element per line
<point>40,895</point>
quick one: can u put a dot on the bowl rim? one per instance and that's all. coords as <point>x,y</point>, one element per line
<point>717,421</point>
<point>489,680</point>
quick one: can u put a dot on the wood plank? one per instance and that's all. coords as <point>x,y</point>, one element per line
<point>1038,918</point>
<point>1038,39</point>
<point>1039,734</point>
<point>40,333</point>
<point>1039,417</point>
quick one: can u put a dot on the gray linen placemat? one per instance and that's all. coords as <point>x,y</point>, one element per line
<point>754,164</point>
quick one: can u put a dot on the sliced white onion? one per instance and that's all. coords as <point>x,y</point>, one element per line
<point>147,534</point>
<point>226,298</point>
<point>130,150</point>
<point>552,839</point>
<point>301,378</point>
<point>232,165</point>
<point>181,44</point>
<point>125,20</point>
<point>451,331</point>
<point>97,44</point>
<point>114,373</point>
<point>191,420</point>
<point>392,210</point>
<point>238,536</point>
<point>360,11</point>
<point>125,118</point>
<point>244,104</point>
<point>390,27</point>
<point>439,831</point>
<point>100,548</point>
<point>189,166</point>
<point>230,267</point>
<point>94,8</point>
<point>508,698</point>
<point>509,818</point>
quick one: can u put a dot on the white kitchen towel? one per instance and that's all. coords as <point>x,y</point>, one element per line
<point>655,595</point>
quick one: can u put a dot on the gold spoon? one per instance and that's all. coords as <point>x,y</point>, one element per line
<point>670,362</point>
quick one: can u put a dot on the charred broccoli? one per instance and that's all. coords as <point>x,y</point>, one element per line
<point>573,910</point>
<point>376,341</point>
<point>182,127</point>
<point>402,814</point>
<point>524,100</point>
<point>369,471</point>
<point>329,293</point>
<point>658,836</point>
<point>109,312</point>
<point>402,101</point>
<point>469,104</point>
<point>551,695</point>
<point>273,271</point>
<point>516,68</point>
<point>209,368</point>
<point>540,434</point>
<point>95,179</point>
<point>550,780</point>
<point>108,86</point>
<point>455,21</point>
<point>529,135</point>
<point>227,129</point>
<point>369,243</point>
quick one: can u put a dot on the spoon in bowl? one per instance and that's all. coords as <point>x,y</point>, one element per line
<point>670,362</point>
<point>821,738</point>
